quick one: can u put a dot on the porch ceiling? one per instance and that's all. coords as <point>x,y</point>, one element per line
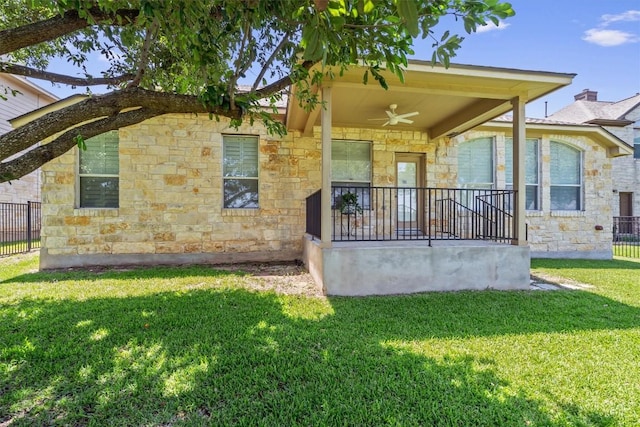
<point>449,100</point>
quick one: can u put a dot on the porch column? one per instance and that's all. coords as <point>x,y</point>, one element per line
<point>325,136</point>
<point>519,169</point>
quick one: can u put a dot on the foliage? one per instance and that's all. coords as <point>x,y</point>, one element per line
<point>202,53</point>
<point>200,346</point>
<point>349,203</point>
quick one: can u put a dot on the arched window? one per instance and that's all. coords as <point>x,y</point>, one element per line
<point>566,177</point>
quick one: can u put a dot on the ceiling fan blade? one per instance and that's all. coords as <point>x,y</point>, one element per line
<point>405,115</point>
<point>386,123</point>
<point>390,114</point>
<point>377,119</point>
<point>403,120</point>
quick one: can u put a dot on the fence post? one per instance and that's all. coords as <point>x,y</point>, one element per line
<point>29,226</point>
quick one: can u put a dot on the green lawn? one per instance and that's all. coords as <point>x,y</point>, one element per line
<point>196,346</point>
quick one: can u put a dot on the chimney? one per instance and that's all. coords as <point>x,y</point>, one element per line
<point>586,95</point>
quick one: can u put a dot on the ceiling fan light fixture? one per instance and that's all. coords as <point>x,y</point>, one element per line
<point>394,118</point>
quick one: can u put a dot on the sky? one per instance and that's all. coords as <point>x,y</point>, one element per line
<point>599,40</point>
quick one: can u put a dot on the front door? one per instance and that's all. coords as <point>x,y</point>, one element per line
<point>410,177</point>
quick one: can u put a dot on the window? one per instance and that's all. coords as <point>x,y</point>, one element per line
<point>636,141</point>
<point>475,163</point>
<point>566,177</point>
<point>98,169</point>
<point>351,168</point>
<point>240,171</point>
<point>532,171</point>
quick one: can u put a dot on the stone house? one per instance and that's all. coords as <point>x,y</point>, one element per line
<point>28,97</point>
<point>621,118</point>
<point>446,198</point>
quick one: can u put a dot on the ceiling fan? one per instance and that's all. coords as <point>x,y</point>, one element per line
<point>394,118</point>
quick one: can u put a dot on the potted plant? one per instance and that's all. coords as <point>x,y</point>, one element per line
<point>349,203</point>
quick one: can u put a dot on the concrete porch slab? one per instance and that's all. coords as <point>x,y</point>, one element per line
<point>402,267</point>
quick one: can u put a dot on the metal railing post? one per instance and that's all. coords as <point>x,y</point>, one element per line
<point>29,222</point>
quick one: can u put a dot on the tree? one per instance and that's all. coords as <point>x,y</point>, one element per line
<point>188,56</point>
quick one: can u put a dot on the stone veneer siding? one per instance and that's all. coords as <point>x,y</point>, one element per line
<point>171,196</point>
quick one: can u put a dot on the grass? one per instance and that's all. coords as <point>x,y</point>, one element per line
<point>196,346</point>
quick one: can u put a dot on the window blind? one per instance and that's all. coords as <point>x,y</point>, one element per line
<point>475,162</point>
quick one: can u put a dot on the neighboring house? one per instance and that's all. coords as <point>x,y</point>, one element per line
<point>436,207</point>
<point>28,97</point>
<point>621,118</point>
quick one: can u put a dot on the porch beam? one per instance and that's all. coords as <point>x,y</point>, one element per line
<point>471,116</point>
<point>519,169</point>
<point>311,121</point>
<point>325,194</point>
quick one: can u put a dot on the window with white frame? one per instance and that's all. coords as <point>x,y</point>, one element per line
<point>475,163</point>
<point>532,171</point>
<point>351,170</point>
<point>566,177</point>
<point>98,171</point>
<point>240,171</point>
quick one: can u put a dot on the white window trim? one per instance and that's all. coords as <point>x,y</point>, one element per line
<point>84,175</point>
<point>243,211</point>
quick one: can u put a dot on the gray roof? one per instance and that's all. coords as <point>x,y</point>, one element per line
<point>587,111</point>
<point>535,121</point>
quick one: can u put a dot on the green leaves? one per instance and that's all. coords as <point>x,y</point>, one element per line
<point>79,140</point>
<point>312,43</point>
<point>408,11</point>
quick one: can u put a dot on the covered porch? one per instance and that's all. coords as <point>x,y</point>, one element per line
<point>429,235</point>
<point>406,240</point>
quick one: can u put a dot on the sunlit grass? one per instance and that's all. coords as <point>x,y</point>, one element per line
<point>197,346</point>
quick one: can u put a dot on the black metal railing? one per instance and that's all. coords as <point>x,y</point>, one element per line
<point>398,213</point>
<point>626,236</point>
<point>19,227</point>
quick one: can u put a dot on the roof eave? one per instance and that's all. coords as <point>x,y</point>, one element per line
<point>615,146</point>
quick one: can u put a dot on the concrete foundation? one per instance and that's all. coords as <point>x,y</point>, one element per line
<point>48,261</point>
<point>381,268</point>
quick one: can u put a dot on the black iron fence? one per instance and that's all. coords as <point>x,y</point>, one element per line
<point>626,236</point>
<point>19,227</point>
<point>396,213</point>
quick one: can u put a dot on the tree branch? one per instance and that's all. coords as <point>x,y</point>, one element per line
<point>239,63</point>
<point>144,55</point>
<point>276,86</point>
<point>28,35</point>
<point>36,157</point>
<point>101,106</point>
<point>21,70</point>
<point>267,64</point>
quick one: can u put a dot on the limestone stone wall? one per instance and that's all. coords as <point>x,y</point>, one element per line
<point>171,195</point>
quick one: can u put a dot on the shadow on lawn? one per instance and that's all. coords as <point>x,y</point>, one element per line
<point>596,264</point>
<point>225,357</point>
